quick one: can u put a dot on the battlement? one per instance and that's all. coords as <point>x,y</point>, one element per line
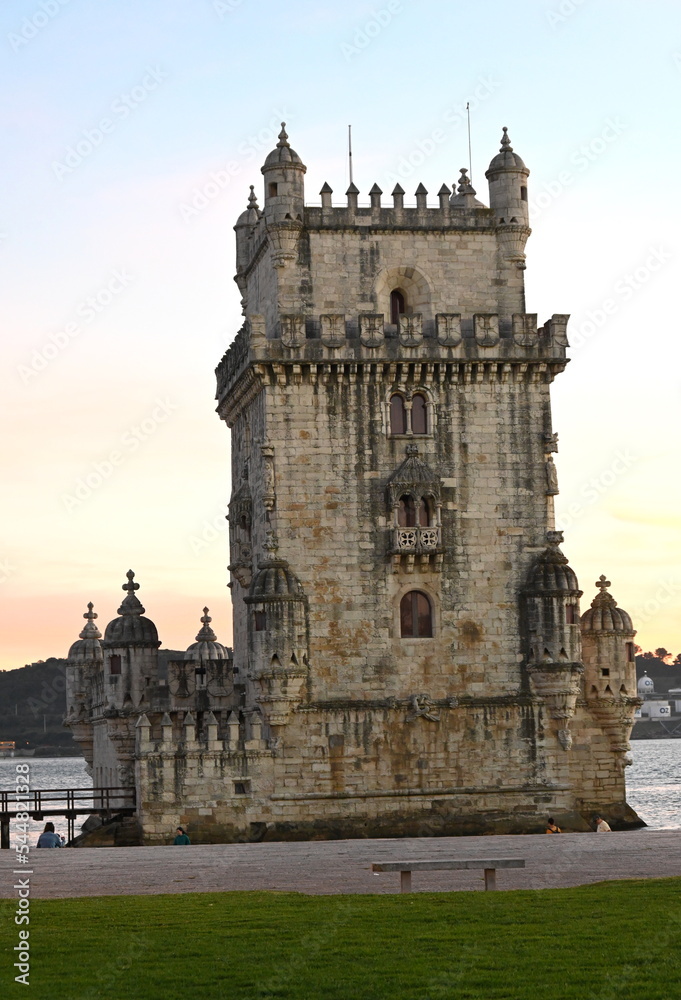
<point>367,339</point>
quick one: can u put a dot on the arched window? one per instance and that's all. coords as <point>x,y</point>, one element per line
<point>416,616</point>
<point>419,414</point>
<point>425,512</point>
<point>397,305</point>
<point>406,513</point>
<point>398,415</point>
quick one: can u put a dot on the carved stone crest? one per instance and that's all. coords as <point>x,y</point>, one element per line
<point>448,329</point>
<point>332,329</point>
<point>410,329</point>
<point>525,329</point>
<point>292,330</point>
<point>371,329</point>
<point>486,327</point>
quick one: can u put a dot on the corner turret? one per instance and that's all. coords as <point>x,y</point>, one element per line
<point>284,185</point>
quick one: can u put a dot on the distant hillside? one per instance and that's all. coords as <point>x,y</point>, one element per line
<point>33,705</point>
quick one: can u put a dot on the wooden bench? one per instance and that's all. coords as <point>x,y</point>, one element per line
<point>489,865</point>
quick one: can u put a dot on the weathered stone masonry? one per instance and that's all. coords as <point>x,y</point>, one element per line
<point>408,652</point>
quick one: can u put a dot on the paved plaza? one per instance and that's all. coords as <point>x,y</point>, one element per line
<point>343,866</point>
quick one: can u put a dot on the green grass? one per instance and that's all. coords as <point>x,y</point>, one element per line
<point>611,941</point>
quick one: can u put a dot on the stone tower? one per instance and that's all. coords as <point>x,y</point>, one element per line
<point>409,656</point>
<point>405,623</point>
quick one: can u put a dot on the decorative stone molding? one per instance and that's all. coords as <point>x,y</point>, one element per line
<point>421,708</point>
<point>268,479</point>
<point>556,329</point>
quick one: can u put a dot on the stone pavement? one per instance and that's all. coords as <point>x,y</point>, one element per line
<point>343,866</point>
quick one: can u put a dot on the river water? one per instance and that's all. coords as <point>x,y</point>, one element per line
<point>653,782</point>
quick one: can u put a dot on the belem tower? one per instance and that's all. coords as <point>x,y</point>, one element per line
<point>409,653</point>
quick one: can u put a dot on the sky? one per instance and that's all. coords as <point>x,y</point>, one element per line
<point>131,134</point>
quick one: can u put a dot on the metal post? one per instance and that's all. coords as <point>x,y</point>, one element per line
<point>4,832</point>
<point>405,881</point>
<point>490,878</point>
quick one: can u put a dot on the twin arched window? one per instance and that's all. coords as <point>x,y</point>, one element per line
<point>416,616</point>
<point>408,416</point>
<point>412,515</point>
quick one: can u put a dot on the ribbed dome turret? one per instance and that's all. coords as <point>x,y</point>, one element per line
<point>274,579</point>
<point>551,574</point>
<point>506,159</point>
<point>282,154</point>
<point>131,629</point>
<point>604,615</point>
<point>87,648</point>
<point>206,646</point>
<point>251,215</point>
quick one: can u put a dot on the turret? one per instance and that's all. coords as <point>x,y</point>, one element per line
<point>284,185</point>
<point>278,636</point>
<point>507,176</point>
<point>553,658</point>
<point>244,229</point>
<point>130,652</point>
<point>84,683</point>
<point>610,667</point>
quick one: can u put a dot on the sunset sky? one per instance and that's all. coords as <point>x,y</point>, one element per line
<point>131,134</point>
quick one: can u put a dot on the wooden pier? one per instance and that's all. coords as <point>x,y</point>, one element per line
<point>68,802</point>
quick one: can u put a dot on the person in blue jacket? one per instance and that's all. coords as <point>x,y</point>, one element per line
<point>48,838</point>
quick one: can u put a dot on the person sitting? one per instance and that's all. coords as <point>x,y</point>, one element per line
<point>48,838</point>
<point>181,837</point>
<point>551,826</point>
<point>601,825</point>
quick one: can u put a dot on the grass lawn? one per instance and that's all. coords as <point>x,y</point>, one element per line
<point>611,941</point>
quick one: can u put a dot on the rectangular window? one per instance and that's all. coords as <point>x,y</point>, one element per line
<point>260,621</point>
<point>569,614</point>
<point>114,664</point>
<point>631,657</point>
<point>273,190</point>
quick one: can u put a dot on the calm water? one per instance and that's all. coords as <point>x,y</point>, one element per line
<point>653,782</point>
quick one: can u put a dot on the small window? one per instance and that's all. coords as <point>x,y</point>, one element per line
<point>260,621</point>
<point>419,414</point>
<point>406,512</point>
<point>523,193</point>
<point>200,674</point>
<point>272,190</point>
<point>397,306</point>
<point>398,415</point>
<point>631,655</point>
<point>569,614</point>
<point>241,787</point>
<point>425,513</point>
<point>605,672</point>
<point>416,616</point>
<point>115,664</point>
